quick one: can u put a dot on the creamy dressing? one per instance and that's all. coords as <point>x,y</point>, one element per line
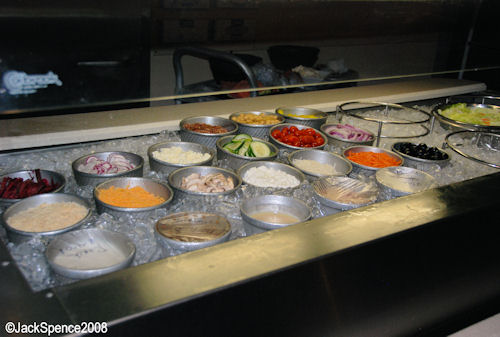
<point>89,256</point>
<point>277,218</point>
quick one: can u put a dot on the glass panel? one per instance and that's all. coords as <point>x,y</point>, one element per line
<point>93,55</point>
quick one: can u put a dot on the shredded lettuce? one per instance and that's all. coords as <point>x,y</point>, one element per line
<point>472,115</point>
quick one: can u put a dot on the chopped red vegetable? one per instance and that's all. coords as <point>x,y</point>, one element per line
<point>300,138</point>
<point>18,188</point>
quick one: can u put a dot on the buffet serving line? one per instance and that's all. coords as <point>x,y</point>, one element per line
<point>314,181</point>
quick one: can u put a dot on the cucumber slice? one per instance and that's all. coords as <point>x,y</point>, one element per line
<point>260,149</point>
<point>241,137</point>
<point>233,146</point>
<point>244,148</point>
<point>249,151</point>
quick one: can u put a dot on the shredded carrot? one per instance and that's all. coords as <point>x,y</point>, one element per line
<point>373,159</point>
<point>134,197</point>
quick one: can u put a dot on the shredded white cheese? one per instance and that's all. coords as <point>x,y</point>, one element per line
<point>264,176</point>
<point>315,167</point>
<point>176,155</point>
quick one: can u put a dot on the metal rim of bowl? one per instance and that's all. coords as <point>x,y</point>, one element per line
<point>300,127</point>
<point>301,176</point>
<point>225,172</point>
<point>462,125</point>
<point>421,160</point>
<point>157,146</point>
<point>87,273</point>
<point>274,148</point>
<point>191,244</point>
<point>81,200</point>
<point>340,205</point>
<point>463,154</point>
<point>107,175</point>
<point>374,105</point>
<point>379,149</point>
<point>280,117</point>
<point>324,115</point>
<point>410,169</point>
<point>132,209</point>
<point>270,225</point>
<point>59,175</point>
<point>295,153</point>
<point>186,120</point>
<point>324,126</point>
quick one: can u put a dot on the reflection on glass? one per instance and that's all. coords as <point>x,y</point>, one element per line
<point>120,54</point>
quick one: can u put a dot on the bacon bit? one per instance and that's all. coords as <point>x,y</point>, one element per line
<point>373,159</point>
<point>135,197</point>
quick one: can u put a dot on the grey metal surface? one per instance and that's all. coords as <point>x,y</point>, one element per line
<point>175,181</point>
<point>340,165</point>
<point>344,143</point>
<point>275,204</point>
<point>56,177</point>
<point>18,236</point>
<point>272,165</point>
<point>83,178</point>
<point>255,130</point>
<point>314,123</point>
<point>284,146</point>
<point>368,170</point>
<point>87,248</point>
<point>399,180</point>
<point>166,168</point>
<point>236,161</point>
<point>155,187</point>
<point>208,139</point>
<point>215,220</point>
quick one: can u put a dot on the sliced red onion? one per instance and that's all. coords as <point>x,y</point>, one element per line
<point>349,132</point>
<point>115,163</point>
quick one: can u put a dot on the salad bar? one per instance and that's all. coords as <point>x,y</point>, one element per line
<point>210,183</point>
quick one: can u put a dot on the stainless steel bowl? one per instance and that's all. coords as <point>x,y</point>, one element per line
<point>17,235</point>
<point>157,188</point>
<point>83,178</point>
<point>166,167</point>
<point>175,180</point>
<point>340,165</point>
<point>89,253</point>
<point>454,125</point>
<point>187,231</point>
<point>298,111</point>
<point>274,204</point>
<point>272,165</point>
<point>284,146</point>
<point>256,130</point>
<point>207,139</point>
<point>344,193</point>
<point>397,181</point>
<point>236,161</point>
<point>368,170</point>
<point>419,162</point>
<point>55,177</point>
<point>344,143</point>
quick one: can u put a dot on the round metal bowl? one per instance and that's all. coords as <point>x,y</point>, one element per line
<point>157,188</point>
<point>284,146</point>
<point>90,179</point>
<point>207,139</point>
<point>397,181</point>
<point>454,125</point>
<point>344,143</point>
<point>194,230</point>
<point>256,130</point>
<point>89,253</point>
<point>344,193</point>
<point>341,166</point>
<point>299,111</point>
<point>166,167</point>
<point>235,161</point>
<point>51,176</point>
<point>420,162</point>
<point>17,235</point>
<point>274,204</point>
<point>272,165</point>
<point>368,170</point>
<point>175,180</point>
